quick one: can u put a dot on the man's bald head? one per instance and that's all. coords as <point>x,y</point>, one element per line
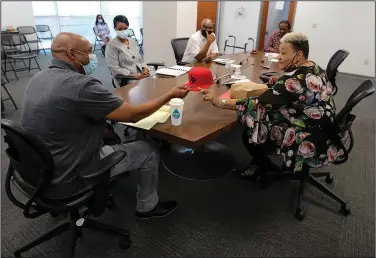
<point>71,48</point>
<point>207,23</point>
<point>66,40</point>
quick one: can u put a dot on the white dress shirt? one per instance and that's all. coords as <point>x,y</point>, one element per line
<point>195,44</point>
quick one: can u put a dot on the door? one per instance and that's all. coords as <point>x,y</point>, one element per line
<point>206,9</point>
<point>272,13</point>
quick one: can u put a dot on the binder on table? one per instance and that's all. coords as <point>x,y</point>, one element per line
<point>174,71</point>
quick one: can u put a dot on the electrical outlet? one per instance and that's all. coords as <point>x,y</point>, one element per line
<point>366,62</point>
<point>314,25</point>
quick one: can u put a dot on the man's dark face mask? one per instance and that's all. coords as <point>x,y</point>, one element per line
<point>203,32</point>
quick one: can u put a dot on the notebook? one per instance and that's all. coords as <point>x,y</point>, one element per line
<point>222,61</point>
<point>174,71</point>
<point>160,116</point>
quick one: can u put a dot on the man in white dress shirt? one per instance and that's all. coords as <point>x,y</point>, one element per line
<point>201,45</point>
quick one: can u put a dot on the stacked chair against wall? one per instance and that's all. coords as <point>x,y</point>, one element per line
<point>16,48</point>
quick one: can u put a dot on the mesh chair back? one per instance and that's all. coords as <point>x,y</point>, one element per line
<point>334,62</point>
<point>31,166</point>
<point>179,45</point>
<point>26,30</point>
<point>366,89</point>
<point>43,28</point>
<point>345,119</point>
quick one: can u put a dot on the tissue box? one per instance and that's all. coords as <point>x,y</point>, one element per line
<point>246,90</point>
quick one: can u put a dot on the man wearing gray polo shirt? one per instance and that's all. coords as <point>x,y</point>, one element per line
<point>66,109</point>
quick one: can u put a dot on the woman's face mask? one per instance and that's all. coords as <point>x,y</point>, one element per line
<point>100,20</point>
<point>123,34</point>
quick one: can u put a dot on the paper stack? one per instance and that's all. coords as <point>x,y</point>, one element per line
<point>160,116</point>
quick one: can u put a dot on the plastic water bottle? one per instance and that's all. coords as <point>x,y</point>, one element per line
<point>238,73</point>
<point>153,73</point>
<point>228,63</point>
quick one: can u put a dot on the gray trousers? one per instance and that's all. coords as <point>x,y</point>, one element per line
<point>142,158</point>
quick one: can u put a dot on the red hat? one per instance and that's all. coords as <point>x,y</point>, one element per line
<point>199,77</point>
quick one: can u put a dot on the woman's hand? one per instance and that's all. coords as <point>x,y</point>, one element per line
<point>208,95</point>
<point>139,76</point>
<point>146,72</point>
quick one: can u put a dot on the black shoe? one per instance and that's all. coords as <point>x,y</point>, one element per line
<point>161,210</point>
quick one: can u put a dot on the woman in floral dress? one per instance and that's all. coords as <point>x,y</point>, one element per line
<point>293,118</point>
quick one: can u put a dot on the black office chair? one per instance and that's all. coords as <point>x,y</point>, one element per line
<point>31,169</point>
<point>344,120</point>
<point>331,70</point>
<point>179,45</point>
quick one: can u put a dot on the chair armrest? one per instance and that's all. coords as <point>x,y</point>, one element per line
<point>155,64</point>
<point>127,77</point>
<point>103,165</point>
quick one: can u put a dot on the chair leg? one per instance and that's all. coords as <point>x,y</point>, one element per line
<point>29,64</point>
<point>57,230</point>
<point>320,174</point>
<point>37,63</point>
<point>313,181</point>
<point>4,73</point>
<point>299,212</point>
<point>75,232</point>
<point>103,227</point>
<point>10,96</point>
<point>125,241</point>
<point>15,73</point>
<point>95,44</point>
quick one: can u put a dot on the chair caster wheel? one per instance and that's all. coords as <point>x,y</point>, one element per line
<point>345,210</point>
<point>329,179</point>
<point>125,243</point>
<point>299,214</point>
<point>111,204</point>
<point>16,254</point>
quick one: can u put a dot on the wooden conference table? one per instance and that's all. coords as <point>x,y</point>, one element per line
<point>202,123</point>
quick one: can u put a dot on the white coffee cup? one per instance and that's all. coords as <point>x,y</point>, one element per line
<point>176,109</point>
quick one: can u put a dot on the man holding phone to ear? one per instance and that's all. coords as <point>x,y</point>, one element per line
<point>201,45</point>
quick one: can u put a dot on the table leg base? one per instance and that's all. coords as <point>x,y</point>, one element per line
<point>207,162</point>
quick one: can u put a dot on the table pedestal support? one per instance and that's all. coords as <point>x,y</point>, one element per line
<point>206,162</point>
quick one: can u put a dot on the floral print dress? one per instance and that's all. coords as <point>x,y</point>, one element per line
<point>296,114</point>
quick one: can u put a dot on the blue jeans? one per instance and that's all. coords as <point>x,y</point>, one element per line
<point>143,158</point>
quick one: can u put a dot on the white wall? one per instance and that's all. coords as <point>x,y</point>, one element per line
<point>159,21</point>
<point>163,21</point>
<point>241,26</point>
<point>340,25</point>
<point>16,14</point>
<point>186,18</point>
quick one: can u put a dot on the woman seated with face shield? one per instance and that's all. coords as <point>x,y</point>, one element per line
<point>122,53</point>
<point>293,118</point>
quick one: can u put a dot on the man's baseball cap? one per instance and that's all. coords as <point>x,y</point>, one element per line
<point>199,77</point>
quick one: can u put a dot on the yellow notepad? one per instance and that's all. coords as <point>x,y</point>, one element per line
<point>160,116</point>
